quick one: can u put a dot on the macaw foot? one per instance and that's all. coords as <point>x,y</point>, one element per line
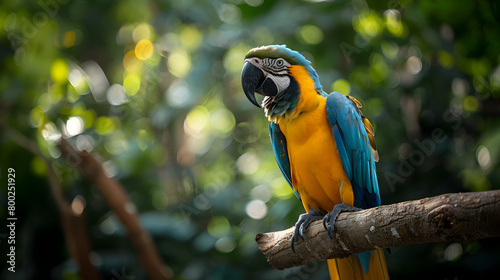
<point>332,216</point>
<point>302,223</point>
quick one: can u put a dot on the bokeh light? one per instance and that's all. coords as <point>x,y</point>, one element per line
<point>105,125</point>
<point>178,94</point>
<point>470,104</point>
<point>218,226</point>
<point>368,25</point>
<point>98,81</point>
<point>116,95</point>
<point>131,62</point>
<point>342,86</point>
<point>222,121</point>
<point>256,209</point>
<point>389,49</point>
<point>393,23</point>
<point>38,166</point>
<point>142,31</point>
<point>261,192</point>
<point>132,83</point>
<point>74,126</point>
<point>78,205</point>
<point>414,65</point>
<point>59,71</point>
<point>310,34</point>
<point>225,244</point>
<point>50,132</point>
<point>179,63</point>
<point>190,37</point>
<point>280,188</point>
<point>445,59</point>
<point>84,143</point>
<point>69,39</point>
<point>144,49</point>
<point>453,251</point>
<point>77,79</point>
<point>196,120</point>
<point>248,163</point>
<point>109,169</point>
<point>229,13</point>
<point>484,158</point>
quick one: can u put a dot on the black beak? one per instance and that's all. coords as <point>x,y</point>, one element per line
<point>251,79</point>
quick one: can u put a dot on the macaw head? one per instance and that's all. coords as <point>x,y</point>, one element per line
<point>268,71</point>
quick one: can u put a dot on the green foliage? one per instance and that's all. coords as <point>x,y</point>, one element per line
<point>154,89</point>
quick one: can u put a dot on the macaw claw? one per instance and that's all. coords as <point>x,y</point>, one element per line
<point>302,223</point>
<point>332,216</point>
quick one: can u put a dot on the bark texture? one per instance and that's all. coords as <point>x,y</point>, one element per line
<point>457,217</point>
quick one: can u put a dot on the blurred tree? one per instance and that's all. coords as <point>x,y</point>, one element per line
<point>153,90</point>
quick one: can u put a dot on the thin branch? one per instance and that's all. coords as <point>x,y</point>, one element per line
<point>74,226</point>
<point>118,201</point>
<point>458,217</point>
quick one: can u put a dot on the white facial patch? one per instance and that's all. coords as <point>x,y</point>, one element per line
<point>281,82</point>
<point>275,69</point>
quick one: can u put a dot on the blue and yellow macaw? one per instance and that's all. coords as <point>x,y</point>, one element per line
<point>323,144</point>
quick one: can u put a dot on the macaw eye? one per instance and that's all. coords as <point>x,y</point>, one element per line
<point>280,62</point>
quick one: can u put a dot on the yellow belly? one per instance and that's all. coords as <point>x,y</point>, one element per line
<point>316,169</point>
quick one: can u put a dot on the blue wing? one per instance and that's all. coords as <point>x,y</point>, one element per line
<point>278,141</point>
<point>355,153</point>
<point>354,149</point>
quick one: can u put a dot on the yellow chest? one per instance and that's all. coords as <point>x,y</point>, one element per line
<point>316,169</point>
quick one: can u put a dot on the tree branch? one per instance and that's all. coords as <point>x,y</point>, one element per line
<point>458,217</point>
<point>118,201</point>
<point>74,225</point>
